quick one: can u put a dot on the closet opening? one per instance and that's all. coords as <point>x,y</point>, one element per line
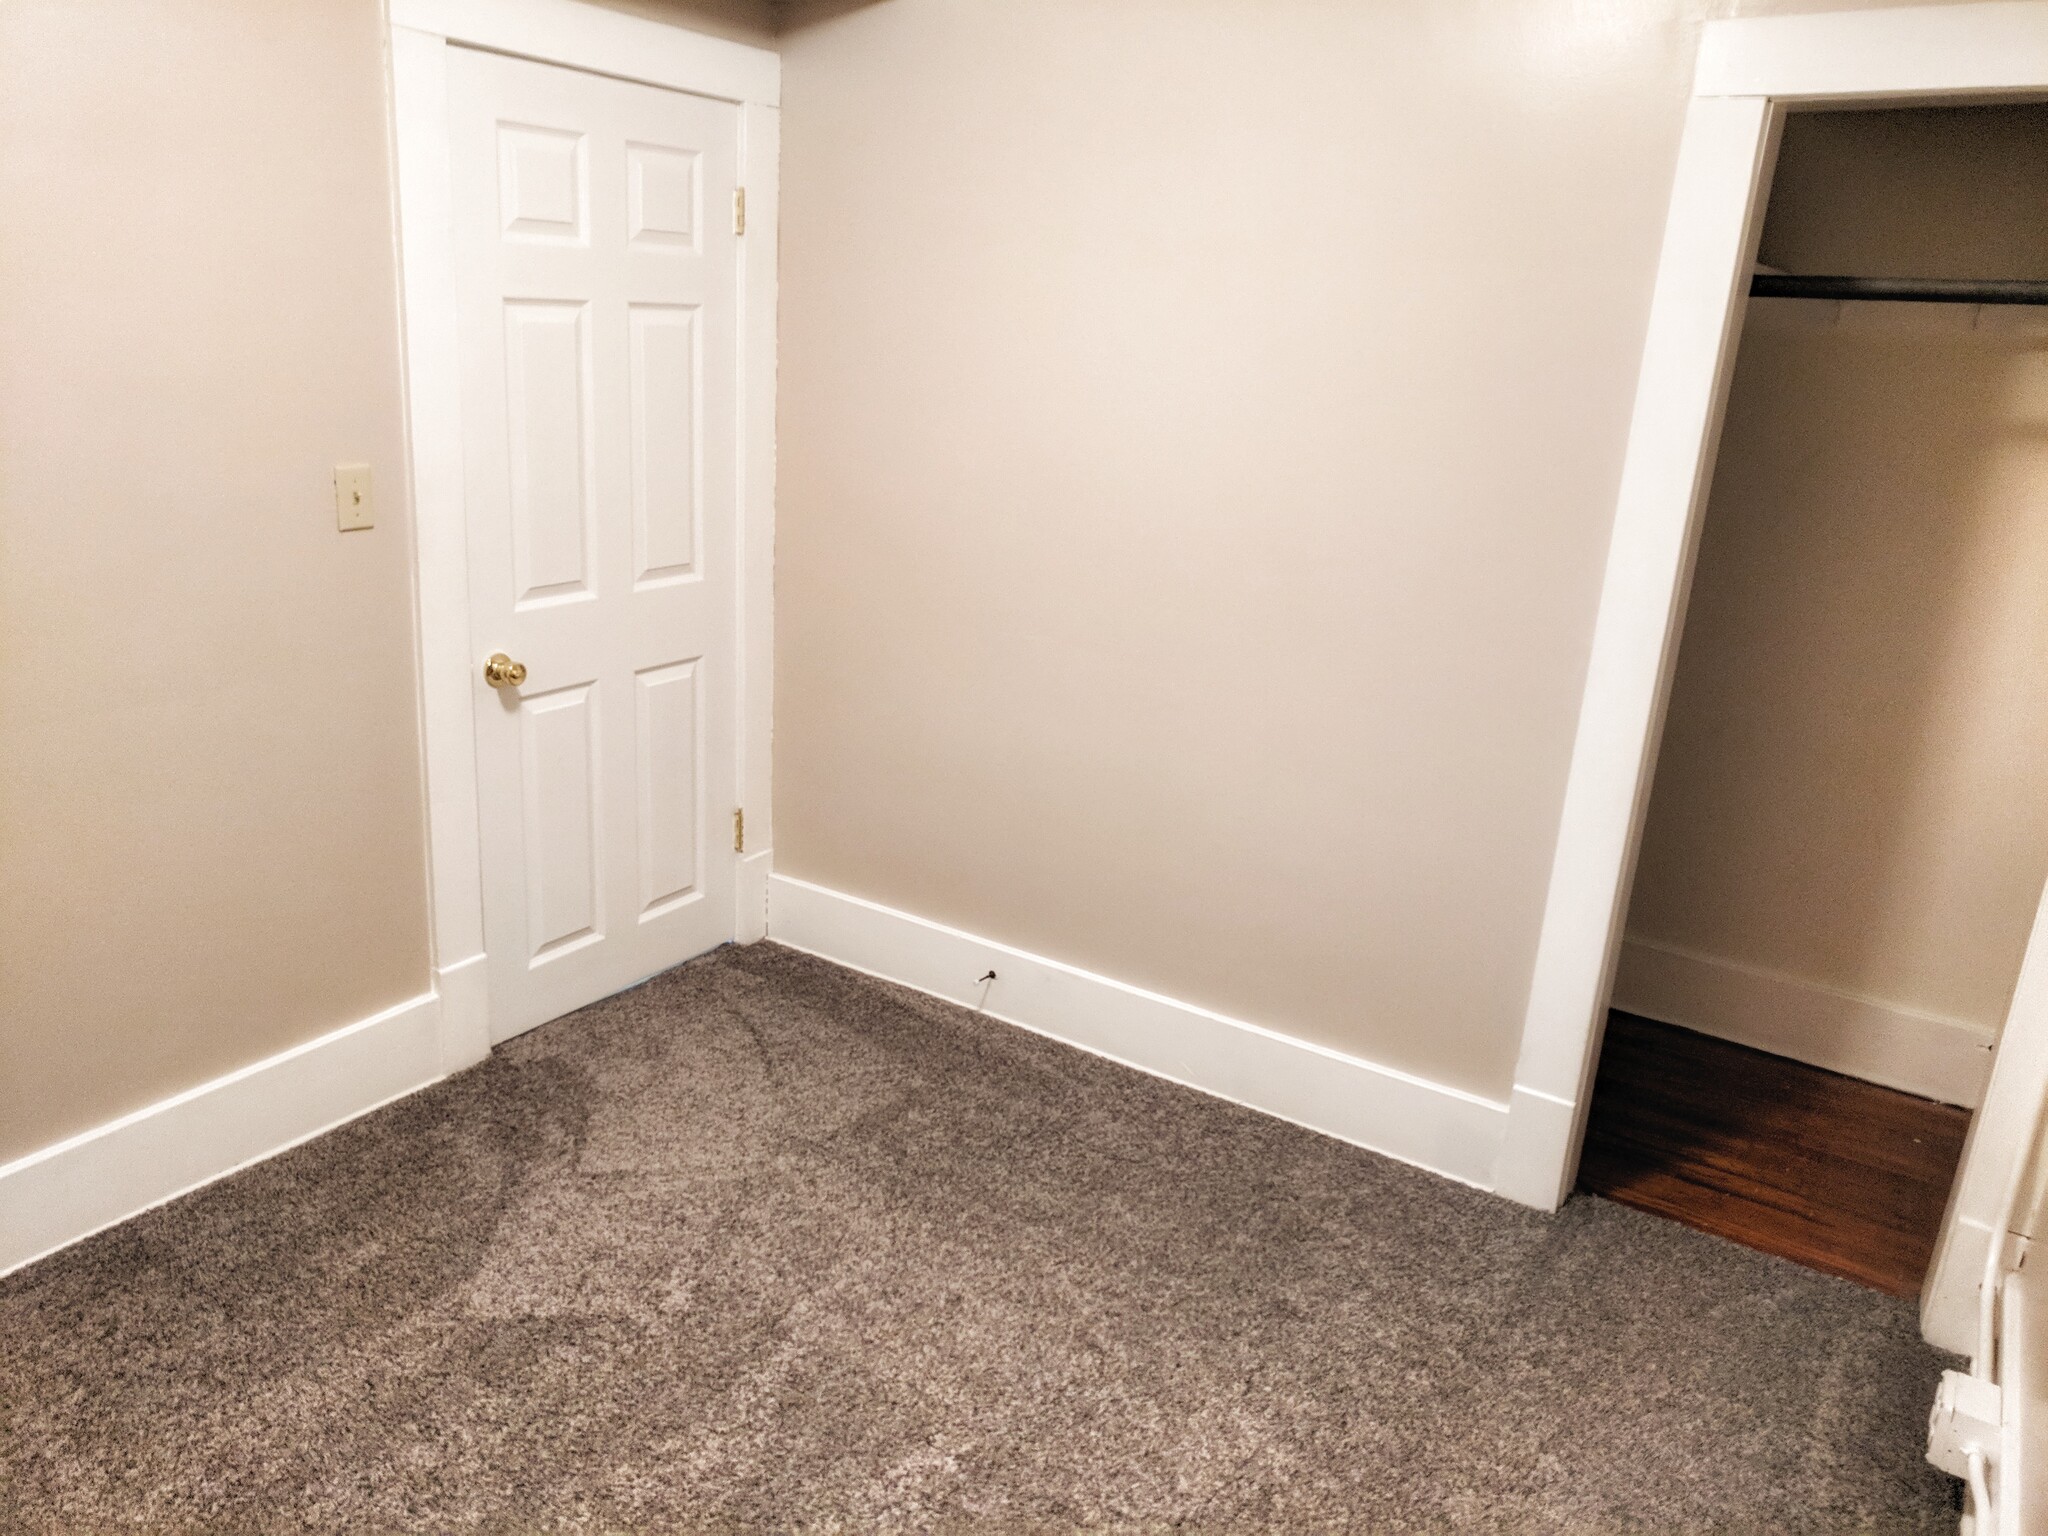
<point>1847,830</point>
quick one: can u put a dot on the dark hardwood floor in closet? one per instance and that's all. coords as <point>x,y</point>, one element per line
<point>1839,1175</point>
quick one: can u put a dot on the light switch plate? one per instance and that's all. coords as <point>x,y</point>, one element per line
<point>352,509</point>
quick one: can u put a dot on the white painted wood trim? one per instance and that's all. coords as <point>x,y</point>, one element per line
<point>1906,1048</point>
<point>2023,1400</point>
<point>578,36</point>
<point>1880,54</point>
<point>1747,70</point>
<point>1443,1129</point>
<point>2001,1135</point>
<point>605,42</point>
<point>1723,176</point>
<point>1948,1301</point>
<point>465,989</point>
<point>750,896</point>
<point>433,397</point>
<point>760,157</point>
<point>61,1194</point>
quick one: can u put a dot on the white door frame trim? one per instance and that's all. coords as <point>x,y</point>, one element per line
<point>1748,72</point>
<point>600,42</point>
<point>603,42</point>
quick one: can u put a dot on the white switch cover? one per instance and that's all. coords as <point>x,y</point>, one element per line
<point>352,497</point>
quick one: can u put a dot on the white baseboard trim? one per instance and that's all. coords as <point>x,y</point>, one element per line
<point>1443,1129</point>
<point>61,1194</point>
<point>1922,1053</point>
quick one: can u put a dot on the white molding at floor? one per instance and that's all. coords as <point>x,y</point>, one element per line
<point>54,1197</point>
<point>1443,1129</point>
<point>1865,1037</point>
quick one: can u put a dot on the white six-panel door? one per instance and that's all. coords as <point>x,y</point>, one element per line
<point>596,271</point>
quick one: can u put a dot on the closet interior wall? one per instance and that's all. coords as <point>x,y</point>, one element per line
<point>1848,831</point>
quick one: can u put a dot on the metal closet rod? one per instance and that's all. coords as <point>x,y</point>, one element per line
<point>1910,290</point>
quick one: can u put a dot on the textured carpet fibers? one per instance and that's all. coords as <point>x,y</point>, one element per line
<point>767,1246</point>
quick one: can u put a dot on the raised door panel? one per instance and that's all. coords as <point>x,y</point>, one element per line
<point>670,782</point>
<point>664,196</point>
<point>547,409</point>
<point>561,776</point>
<point>663,408</point>
<point>543,184</point>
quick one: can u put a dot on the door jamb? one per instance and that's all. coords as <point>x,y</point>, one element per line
<point>1748,73</point>
<point>598,41</point>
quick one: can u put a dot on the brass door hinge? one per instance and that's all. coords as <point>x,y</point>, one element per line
<point>739,831</point>
<point>739,210</point>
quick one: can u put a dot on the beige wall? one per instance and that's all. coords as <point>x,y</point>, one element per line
<point>210,819</point>
<point>1854,782</point>
<point>1200,428</point>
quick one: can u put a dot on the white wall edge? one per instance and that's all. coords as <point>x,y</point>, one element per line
<point>1445,1130</point>
<point>66,1192</point>
<point>1864,1037</point>
<point>1873,54</point>
<point>605,42</point>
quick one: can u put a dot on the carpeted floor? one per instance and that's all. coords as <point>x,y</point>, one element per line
<point>767,1246</point>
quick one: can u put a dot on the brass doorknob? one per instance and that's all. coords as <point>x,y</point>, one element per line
<point>501,671</point>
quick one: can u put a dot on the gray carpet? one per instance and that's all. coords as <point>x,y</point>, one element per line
<point>767,1246</point>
